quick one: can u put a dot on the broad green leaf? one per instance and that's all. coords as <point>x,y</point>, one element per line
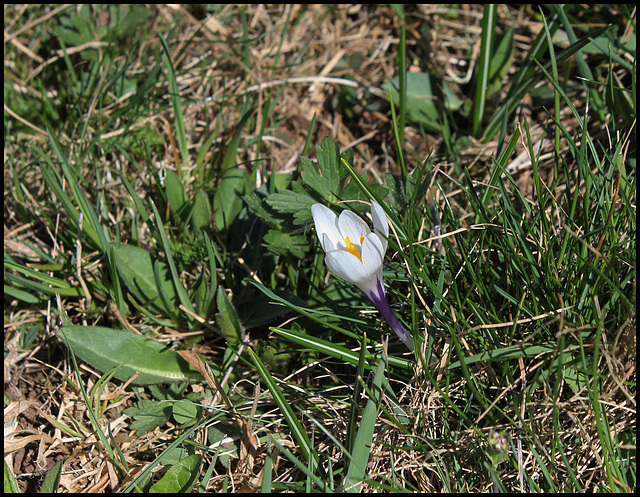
<point>228,321</point>
<point>186,411</point>
<point>10,483</point>
<point>201,216</point>
<point>106,349</point>
<point>175,192</point>
<point>180,477</point>
<point>501,62</point>
<point>52,480</point>
<point>224,438</point>
<point>426,96</point>
<point>135,267</point>
<point>227,201</point>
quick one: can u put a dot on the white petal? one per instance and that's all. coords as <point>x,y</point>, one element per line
<point>347,266</point>
<point>372,253</point>
<point>380,224</point>
<point>326,223</point>
<point>351,225</point>
<point>327,244</point>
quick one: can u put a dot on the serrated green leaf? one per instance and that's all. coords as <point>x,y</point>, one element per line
<point>263,210</point>
<point>296,202</point>
<point>136,268</point>
<point>180,477</point>
<point>148,415</point>
<point>106,349</point>
<point>286,244</point>
<point>313,179</point>
<point>328,177</point>
<point>328,154</point>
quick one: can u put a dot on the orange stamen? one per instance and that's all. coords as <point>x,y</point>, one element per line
<point>352,248</point>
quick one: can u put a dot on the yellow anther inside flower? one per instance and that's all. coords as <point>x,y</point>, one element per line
<point>352,248</point>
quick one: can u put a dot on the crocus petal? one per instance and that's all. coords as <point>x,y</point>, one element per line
<point>327,243</point>
<point>326,223</point>
<point>380,224</point>
<point>372,252</point>
<point>347,266</point>
<point>351,225</point>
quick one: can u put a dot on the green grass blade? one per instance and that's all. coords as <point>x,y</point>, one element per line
<point>489,20</point>
<point>583,67</point>
<point>174,94</point>
<point>397,134</point>
<point>354,409</point>
<point>298,432</point>
<point>94,420</point>
<point>364,439</point>
<point>265,486</point>
<point>91,226</point>
<point>402,84</point>
<point>180,290</point>
<point>337,351</point>
<point>529,80</point>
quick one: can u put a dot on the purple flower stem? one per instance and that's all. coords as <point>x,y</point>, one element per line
<point>379,299</point>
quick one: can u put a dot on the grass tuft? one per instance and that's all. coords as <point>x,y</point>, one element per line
<point>170,322</point>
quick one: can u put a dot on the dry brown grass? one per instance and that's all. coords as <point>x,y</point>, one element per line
<point>306,65</point>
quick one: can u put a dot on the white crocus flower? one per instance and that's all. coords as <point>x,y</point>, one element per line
<point>355,254</point>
